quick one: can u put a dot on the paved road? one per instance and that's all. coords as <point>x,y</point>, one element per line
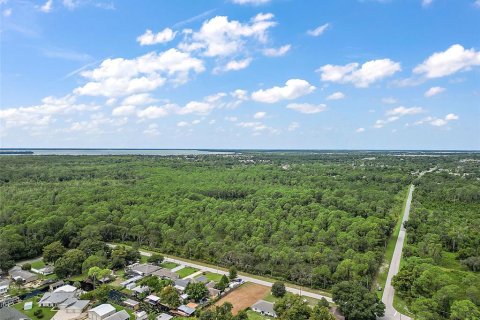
<point>242,276</point>
<point>389,292</point>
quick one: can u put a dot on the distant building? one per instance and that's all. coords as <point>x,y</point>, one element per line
<point>152,299</point>
<point>164,316</point>
<point>144,269</point>
<point>265,308</point>
<point>185,310</point>
<point>166,274</point>
<point>17,274</point>
<point>132,304</point>
<point>54,299</point>
<point>120,315</point>
<point>101,312</point>
<point>141,315</point>
<point>4,285</point>
<point>47,270</point>
<point>181,284</point>
<point>56,285</point>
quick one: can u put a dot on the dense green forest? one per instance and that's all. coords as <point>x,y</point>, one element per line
<point>316,219</point>
<point>440,278</point>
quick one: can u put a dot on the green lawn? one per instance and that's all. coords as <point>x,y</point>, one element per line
<point>168,265</point>
<point>252,315</point>
<point>38,264</point>
<point>182,273</point>
<point>47,312</point>
<point>270,298</point>
<point>143,259</point>
<point>213,276</point>
<point>79,277</point>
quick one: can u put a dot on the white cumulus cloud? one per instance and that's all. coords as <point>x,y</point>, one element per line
<point>150,38</point>
<point>293,89</point>
<point>454,59</point>
<point>360,76</point>
<point>259,115</point>
<point>307,108</point>
<point>277,52</point>
<point>336,96</point>
<point>433,91</point>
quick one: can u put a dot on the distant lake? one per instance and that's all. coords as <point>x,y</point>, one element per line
<point>105,152</point>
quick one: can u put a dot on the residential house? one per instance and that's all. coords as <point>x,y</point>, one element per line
<point>214,293</point>
<point>164,316</point>
<point>8,301</point>
<point>120,315</point>
<point>141,289</point>
<point>141,315</point>
<point>181,284</point>
<point>4,285</point>
<point>72,309</point>
<point>152,299</point>
<point>17,274</point>
<point>132,304</point>
<point>56,285</point>
<point>54,299</point>
<point>47,270</point>
<point>265,308</point>
<point>9,313</point>
<point>128,282</point>
<point>185,311</point>
<point>166,274</point>
<point>143,269</point>
<point>101,312</point>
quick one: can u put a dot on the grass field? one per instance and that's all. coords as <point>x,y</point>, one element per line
<point>168,265</point>
<point>47,312</point>
<point>38,264</point>
<point>244,296</point>
<point>182,273</point>
<point>213,276</point>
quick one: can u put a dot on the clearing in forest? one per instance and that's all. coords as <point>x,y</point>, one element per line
<point>244,296</point>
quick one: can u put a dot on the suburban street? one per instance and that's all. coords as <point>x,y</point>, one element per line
<point>389,291</point>
<point>242,276</point>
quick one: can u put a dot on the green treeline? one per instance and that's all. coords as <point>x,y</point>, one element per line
<point>314,220</point>
<point>440,278</point>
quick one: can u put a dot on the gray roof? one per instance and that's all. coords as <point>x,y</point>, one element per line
<point>131,302</point>
<point>120,315</point>
<point>264,306</point>
<point>79,305</point>
<point>186,309</point>
<point>166,273</point>
<point>202,279</point>
<point>56,297</point>
<point>164,316</point>
<point>103,309</point>
<point>26,275</point>
<point>145,268</point>
<point>182,282</point>
<point>9,313</point>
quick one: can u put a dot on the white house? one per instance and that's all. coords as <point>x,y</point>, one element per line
<point>101,312</point>
<point>4,285</point>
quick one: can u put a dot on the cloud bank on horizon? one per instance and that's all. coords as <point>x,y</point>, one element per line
<point>243,74</point>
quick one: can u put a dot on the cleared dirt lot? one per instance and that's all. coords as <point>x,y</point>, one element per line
<point>244,296</point>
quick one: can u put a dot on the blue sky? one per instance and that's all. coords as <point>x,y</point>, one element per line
<point>371,74</point>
